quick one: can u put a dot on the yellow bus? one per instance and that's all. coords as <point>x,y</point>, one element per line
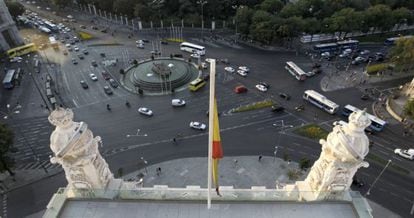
<point>196,84</point>
<point>21,50</point>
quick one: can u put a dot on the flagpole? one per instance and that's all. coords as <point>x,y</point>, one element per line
<point>210,129</point>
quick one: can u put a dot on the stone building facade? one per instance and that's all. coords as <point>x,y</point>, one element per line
<point>9,35</point>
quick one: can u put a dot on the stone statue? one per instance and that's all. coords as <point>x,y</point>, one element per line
<point>76,149</point>
<point>343,153</point>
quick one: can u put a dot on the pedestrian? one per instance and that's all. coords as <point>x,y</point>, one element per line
<point>235,162</point>
<point>158,171</point>
<point>260,158</point>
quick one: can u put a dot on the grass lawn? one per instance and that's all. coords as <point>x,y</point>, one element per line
<point>85,35</point>
<point>312,131</point>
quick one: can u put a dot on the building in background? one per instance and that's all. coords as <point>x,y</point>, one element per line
<point>9,35</point>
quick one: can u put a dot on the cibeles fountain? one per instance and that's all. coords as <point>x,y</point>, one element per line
<point>76,149</point>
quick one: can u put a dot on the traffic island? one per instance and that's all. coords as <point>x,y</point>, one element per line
<point>159,76</point>
<point>312,131</point>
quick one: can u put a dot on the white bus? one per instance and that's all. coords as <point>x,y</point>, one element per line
<point>192,48</point>
<point>293,69</point>
<point>376,123</point>
<point>320,101</point>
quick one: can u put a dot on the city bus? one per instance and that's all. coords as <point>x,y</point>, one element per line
<point>53,43</point>
<point>51,26</point>
<point>9,79</point>
<point>376,123</point>
<point>21,50</point>
<point>392,40</point>
<point>192,48</point>
<point>320,101</point>
<point>336,46</point>
<point>293,69</point>
<point>196,84</point>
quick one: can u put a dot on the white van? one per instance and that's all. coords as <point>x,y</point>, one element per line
<point>177,102</point>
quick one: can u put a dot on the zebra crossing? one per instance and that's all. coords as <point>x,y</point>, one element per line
<point>45,164</point>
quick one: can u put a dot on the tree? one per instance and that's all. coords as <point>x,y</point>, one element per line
<point>380,16</point>
<point>6,145</point>
<point>244,19</point>
<point>15,8</point>
<point>123,7</point>
<point>143,12</point>
<point>402,54</point>
<point>409,108</point>
<point>271,6</point>
<point>61,3</point>
<point>401,16</point>
<point>346,20</point>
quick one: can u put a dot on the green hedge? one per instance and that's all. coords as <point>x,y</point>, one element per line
<point>254,106</point>
<point>312,131</point>
<point>375,68</point>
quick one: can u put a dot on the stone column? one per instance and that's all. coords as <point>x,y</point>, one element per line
<point>94,10</point>
<point>162,24</point>
<point>140,25</point>
<point>213,25</point>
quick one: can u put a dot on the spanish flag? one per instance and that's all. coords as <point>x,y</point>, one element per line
<point>217,149</point>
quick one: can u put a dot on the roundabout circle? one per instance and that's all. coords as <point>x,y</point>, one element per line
<point>159,76</point>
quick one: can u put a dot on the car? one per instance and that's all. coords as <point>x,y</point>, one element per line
<point>75,39</point>
<point>310,73</point>
<point>84,84</point>
<point>242,73</point>
<point>102,54</point>
<point>195,55</point>
<point>145,111</point>
<point>326,54</point>
<point>163,42</point>
<point>65,52</point>
<point>229,69</point>
<point>69,16</point>
<point>364,52</point>
<point>155,52</point>
<point>261,88</point>
<point>140,46</point>
<point>93,77</point>
<point>62,40</point>
<point>139,42</point>
<point>177,102</point>
<point>85,52</point>
<point>76,48</point>
<point>113,83</point>
<point>68,45</point>
<point>82,26</point>
<point>94,27</point>
<point>317,70</point>
<point>145,40</point>
<point>364,97</point>
<point>405,153</point>
<point>106,75</point>
<point>276,108</point>
<point>74,61</point>
<point>244,68</point>
<point>284,96</point>
<point>358,60</point>
<point>108,90</point>
<point>16,59</point>
<point>264,84</point>
<point>240,89</point>
<point>47,8</point>
<point>70,49</point>
<point>93,63</point>
<point>80,56</point>
<point>198,125</point>
<point>38,7</point>
<point>104,30</point>
<point>357,182</point>
<point>178,55</point>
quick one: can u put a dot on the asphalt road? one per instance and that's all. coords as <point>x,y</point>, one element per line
<point>249,133</point>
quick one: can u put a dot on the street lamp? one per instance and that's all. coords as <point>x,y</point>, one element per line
<point>202,3</point>
<point>8,114</point>
<point>145,164</point>
<point>376,179</point>
<point>283,132</point>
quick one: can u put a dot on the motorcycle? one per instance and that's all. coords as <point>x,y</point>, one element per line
<point>300,108</point>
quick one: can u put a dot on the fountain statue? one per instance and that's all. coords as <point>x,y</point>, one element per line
<point>76,149</point>
<point>343,153</point>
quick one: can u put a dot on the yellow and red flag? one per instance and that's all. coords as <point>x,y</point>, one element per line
<point>217,153</point>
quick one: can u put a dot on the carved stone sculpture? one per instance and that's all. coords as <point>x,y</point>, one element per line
<point>76,149</point>
<point>343,153</point>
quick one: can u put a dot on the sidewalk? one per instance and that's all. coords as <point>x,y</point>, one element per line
<point>247,172</point>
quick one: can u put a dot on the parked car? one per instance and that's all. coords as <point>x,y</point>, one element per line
<point>284,96</point>
<point>108,90</point>
<point>93,63</point>
<point>141,46</point>
<point>145,111</point>
<point>177,102</point>
<point>84,84</point>
<point>113,83</point>
<point>364,52</point>
<point>85,52</point>
<point>405,153</point>
<point>240,89</point>
<point>364,97</point>
<point>74,61</point>
<point>198,125</point>
<point>244,68</point>
<point>242,73</point>
<point>80,56</point>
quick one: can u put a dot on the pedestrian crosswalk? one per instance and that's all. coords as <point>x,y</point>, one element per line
<point>45,164</point>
